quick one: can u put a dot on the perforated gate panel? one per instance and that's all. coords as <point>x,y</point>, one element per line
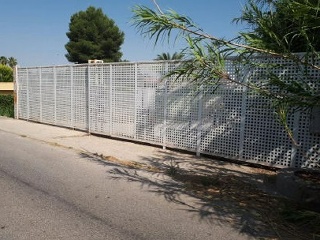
<point>34,86</point>
<point>63,92</point>
<point>123,100</point>
<point>221,118</point>
<point>132,101</point>
<point>150,102</point>
<point>22,93</point>
<point>80,97</point>
<point>308,153</point>
<point>100,99</point>
<point>265,140</point>
<point>47,95</point>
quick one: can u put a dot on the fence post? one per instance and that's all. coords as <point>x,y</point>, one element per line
<point>110,100</point>
<point>28,101</point>
<point>55,94</point>
<point>199,125</point>
<point>295,131</point>
<point>71,97</point>
<point>165,100</point>
<point>15,93</point>
<point>40,92</point>
<point>88,98</point>
<point>135,98</point>
<point>242,121</point>
<point>243,115</point>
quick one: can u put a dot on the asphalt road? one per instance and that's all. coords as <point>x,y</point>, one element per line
<point>49,192</point>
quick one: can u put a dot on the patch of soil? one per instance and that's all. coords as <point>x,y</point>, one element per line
<point>287,219</point>
<point>309,176</point>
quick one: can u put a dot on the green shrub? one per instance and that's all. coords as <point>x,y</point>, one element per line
<point>6,106</point>
<point>6,73</point>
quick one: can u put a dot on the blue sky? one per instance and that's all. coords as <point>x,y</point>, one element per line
<point>34,31</point>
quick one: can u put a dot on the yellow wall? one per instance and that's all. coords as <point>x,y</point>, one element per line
<point>6,88</point>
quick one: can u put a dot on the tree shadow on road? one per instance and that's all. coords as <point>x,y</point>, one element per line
<point>211,193</point>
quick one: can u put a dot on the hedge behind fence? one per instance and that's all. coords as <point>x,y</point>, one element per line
<point>6,106</point>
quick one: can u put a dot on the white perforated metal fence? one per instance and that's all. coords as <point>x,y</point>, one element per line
<point>130,101</point>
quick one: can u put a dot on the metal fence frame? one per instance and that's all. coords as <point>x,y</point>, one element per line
<point>132,101</point>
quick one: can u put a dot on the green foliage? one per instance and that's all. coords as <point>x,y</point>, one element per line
<point>206,54</point>
<point>168,56</point>
<point>283,26</point>
<point>6,106</point>
<point>92,35</point>
<point>11,61</point>
<point>172,169</point>
<point>3,60</point>
<point>6,73</point>
<point>6,101</point>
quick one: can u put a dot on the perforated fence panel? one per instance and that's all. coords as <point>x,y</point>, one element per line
<point>133,101</point>
<point>80,103</point>
<point>150,102</point>
<point>64,96</point>
<point>47,95</point>
<point>100,100</point>
<point>22,106</point>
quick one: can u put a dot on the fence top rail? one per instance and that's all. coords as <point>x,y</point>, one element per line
<point>231,58</point>
<point>102,64</point>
